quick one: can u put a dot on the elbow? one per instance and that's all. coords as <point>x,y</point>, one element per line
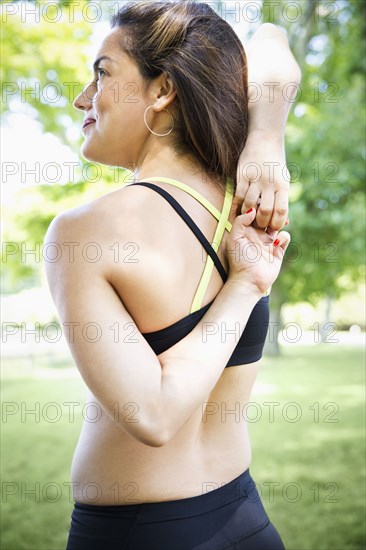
<point>157,432</point>
<point>273,32</point>
<point>298,76</point>
<point>152,434</point>
<point>295,72</point>
<point>160,431</point>
<point>274,41</point>
<point>158,439</point>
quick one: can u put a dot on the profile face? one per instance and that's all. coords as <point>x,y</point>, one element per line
<point>114,106</point>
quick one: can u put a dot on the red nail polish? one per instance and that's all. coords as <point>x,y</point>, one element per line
<point>276,242</point>
<point>250,210</point>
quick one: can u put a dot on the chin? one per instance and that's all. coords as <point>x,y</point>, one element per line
<point>98,157</point>
<point>92,156</point>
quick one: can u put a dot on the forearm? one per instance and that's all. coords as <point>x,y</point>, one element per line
<point>273,77</point>
<point>192,367</point>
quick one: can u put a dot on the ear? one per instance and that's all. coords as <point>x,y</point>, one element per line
<point>164,92</point>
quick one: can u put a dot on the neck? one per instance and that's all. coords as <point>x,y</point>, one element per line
<point>162,161</point>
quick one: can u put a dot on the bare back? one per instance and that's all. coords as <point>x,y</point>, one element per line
<point>159,265</point>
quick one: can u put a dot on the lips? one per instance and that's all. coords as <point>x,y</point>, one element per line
<point>88,121</point>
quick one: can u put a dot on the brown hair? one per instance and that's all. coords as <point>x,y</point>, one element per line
<point>206,61</point>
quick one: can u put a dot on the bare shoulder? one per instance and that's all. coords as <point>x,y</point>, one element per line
<point>113,217</point>
<point>120,234</point>
<point>123,210</point>
<point>97,217</point>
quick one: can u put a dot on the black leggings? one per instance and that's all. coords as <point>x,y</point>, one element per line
<point>229,518</point>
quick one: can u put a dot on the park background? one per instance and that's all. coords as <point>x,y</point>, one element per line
<point>308,417</point>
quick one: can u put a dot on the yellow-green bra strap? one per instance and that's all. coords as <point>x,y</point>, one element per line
<point>216,213</point>
<point>220,229</point>
<point>205,279</point>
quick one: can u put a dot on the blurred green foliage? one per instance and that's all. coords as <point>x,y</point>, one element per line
<point>326,154</point>
<point>325,141</point>
<point>38,51</point>
<point>45,65</point>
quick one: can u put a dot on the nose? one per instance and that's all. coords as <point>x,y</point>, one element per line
<point>84,100</point>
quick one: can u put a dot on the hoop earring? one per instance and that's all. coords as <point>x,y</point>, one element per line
<point>152,131</point>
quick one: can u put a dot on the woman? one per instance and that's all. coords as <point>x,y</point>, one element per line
<point>160,463</point>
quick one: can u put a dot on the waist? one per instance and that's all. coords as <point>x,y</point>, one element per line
<point>211,498</point>
<point>132,473</point>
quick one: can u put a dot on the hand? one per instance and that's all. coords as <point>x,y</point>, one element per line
<point>254,257</point>
<point>263,176</point>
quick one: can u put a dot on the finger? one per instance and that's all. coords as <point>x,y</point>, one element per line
<point>272,234</point>
<point>282,241</point>
<point>251,198</point>
<point>243,220</point>
<point>280,210</point>
<point>241,191</point>
<point>265,208</point>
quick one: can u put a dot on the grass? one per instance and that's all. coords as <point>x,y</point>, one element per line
<point>308,457</point>
<point>312,449</point>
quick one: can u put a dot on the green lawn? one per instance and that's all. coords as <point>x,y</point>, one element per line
<point>307,428</point>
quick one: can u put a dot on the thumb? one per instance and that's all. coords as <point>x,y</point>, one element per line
<point>283,240</point>
<point>242,221</point>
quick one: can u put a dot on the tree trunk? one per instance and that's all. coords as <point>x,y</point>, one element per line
<point>276,301</point>
<point>327,326</point>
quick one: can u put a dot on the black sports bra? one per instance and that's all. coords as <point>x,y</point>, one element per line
<point>250,346</point>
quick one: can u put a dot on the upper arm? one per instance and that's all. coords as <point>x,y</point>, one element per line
<point>114,359</point>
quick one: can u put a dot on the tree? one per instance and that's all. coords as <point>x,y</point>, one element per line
<point>325,152</point>
<point>45,64</point>
<point>324,137</point>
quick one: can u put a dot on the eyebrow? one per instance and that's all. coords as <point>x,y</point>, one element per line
<point>97,61</point>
